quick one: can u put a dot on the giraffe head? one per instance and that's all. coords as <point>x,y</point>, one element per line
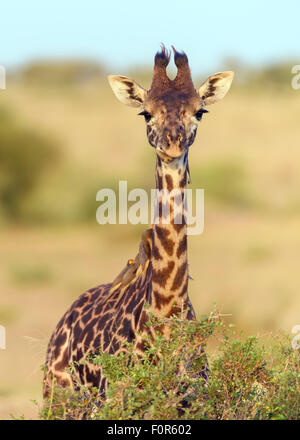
<point>172,108</point>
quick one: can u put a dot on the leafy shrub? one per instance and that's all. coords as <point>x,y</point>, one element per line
<point>246,381</point>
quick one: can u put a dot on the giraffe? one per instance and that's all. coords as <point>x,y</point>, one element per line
<point>105,316</point>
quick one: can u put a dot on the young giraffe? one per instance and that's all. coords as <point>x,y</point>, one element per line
<point>106,315</point>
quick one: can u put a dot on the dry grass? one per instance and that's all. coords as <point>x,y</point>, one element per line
<point>246,260</point>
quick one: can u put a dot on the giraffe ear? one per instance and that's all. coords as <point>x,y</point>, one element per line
<point>127,90</point>
<point>215,87</point>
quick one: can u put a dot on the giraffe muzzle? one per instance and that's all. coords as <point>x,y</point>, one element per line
<point>174,146</point>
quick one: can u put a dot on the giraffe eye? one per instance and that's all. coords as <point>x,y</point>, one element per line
<point>199,114</point>
<point>146,115</point>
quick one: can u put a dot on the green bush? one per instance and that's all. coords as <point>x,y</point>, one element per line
<point>24,156</point>
<point>246,380</point>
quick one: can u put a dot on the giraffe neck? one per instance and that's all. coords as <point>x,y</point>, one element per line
<point>169,241</point>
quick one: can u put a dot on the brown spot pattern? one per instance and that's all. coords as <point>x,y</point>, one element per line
<point>167,243</point>
<point>161,276</point>
<point>179,276</point>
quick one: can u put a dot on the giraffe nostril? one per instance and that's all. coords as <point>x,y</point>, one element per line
<point>176,138</point>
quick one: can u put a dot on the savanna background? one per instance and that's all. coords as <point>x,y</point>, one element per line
<point>64,136</point>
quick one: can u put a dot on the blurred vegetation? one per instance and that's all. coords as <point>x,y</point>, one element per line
<point>60,72</point>
<point>30,274</point>
<point>275,76</point>
<point>225,181</point>
<point>269,77</point>
<point>25,155</point>
<point>246,381</point>
<point>257,253</point>
<point>8,314</point>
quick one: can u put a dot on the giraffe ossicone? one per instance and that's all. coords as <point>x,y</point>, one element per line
<point>105,316</point>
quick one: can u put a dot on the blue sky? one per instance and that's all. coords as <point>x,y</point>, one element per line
<point>128,33</point>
